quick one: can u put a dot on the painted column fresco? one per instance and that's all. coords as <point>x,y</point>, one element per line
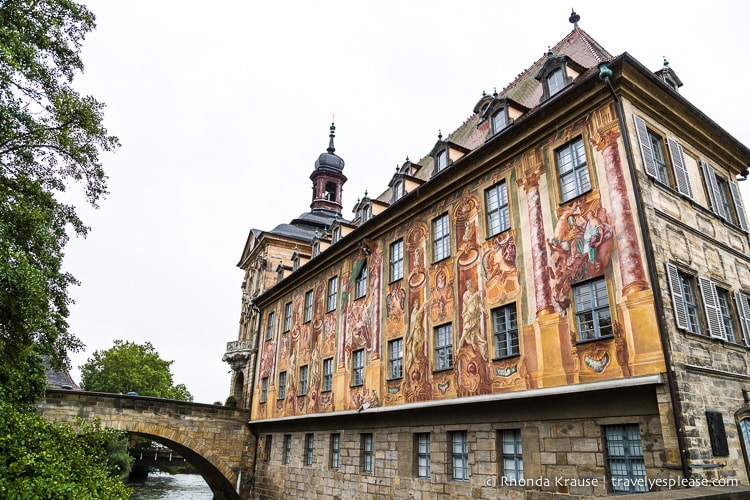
<point>605,134</point>
<point>533,168</point>
<point>418,384</point>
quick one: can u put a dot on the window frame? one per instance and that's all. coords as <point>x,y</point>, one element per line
<point>500,111</point>
<point>267,448</point>
<point>270,326</point>
<point>282,386</point>
<point>287,449</point>
<point>366,453</point>
<point>507,341</point>
<point>302,380</point>
<point>578,169</point>
<point>441,237</point>
<point>459,458</point>
<point>636,482</point>
<point>717,185</point>
<point>264,389</point>
<point>595,310</point>
<point>396,363</point>
<point>308,307</point>
<point>560,82</point>
<point>398,190</point>
<point>309,457</point>
<point>441,160</point>
<point>360,282</point>
<point>422,454</point>
<point>288,316</point>
<point>334,461</point>
<point>358,368</point>
<point>327,375</point>
<point>396,261</point>
<point>332,294</point>
<point>512,475</point>
<point>443,337</point>
<point>497,210</point>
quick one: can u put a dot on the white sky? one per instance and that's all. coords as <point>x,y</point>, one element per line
<point>223,107</point>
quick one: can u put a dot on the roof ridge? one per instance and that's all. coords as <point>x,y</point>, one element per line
<point>600,53</point>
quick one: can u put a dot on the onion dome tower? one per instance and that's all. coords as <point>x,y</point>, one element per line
<point>328,179</point>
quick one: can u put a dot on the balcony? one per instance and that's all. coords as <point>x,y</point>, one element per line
<point>238,354</point>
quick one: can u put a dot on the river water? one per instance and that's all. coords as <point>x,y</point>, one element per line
<point>163,486</point>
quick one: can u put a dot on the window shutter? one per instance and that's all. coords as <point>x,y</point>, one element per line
<point>678,302</point>
<point>743,311</point>
<point>718,434</point>
<point>713,190</point>
<point>646,151</point>
<point>712,308</point>
<point>679,168</point>
<point>738,205</point>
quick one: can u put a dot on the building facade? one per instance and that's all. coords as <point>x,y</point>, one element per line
<point>553,300</point>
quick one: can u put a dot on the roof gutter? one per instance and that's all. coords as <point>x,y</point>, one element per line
<point>604,74</point>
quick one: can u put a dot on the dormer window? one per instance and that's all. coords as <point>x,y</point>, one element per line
<point>441,160</point>
<point>295,262</point>
<point>336,233</point>
<point>366,213</point>
<point>398,190</point>
<point>555,81</point>
<point>499,120</point>
<point>316,248</point>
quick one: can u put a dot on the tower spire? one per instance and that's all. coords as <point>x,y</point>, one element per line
<point>331,135</point>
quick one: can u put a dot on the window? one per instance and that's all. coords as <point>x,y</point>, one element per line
<point>725,197</point>
<point>336,234</point>
<point>332,290</point>
<point>505,323</point>
<point>717,433</point>
<point>498,216</point>
<point>309,448</point>
<point>288,316</point>
<point>308,306</point>
<point>684,300</point>
<point>441,161</point>
<point>655,160</point>
<point>423,454</point>
<point>264,389</point>
<point>335,451</point>
<point>366,458</point>
<point>396,264</point>
<point>625,466</point>
<point>725,310</point>
<point>328,374</point>
<point>499,120</point>
<point>512,452</point>
<point>395,358</point>
<point>358,367</point>
<point>745,434</point>
<point>267,448</point>
<point>593,317</point>
<point>444,347</point>
<point>398,190</point>
<point>459,456</point>
<point>441,245</point>
<point>282,385</point>
<point>302,380</point>
<point>315,248</point>
<point>366,213</point>
<point>742,303</point>
<point>574,172</point>
<point>287,449</point>
<point>360,284</point>
<point>555,81</point>
<point>269,327</point>
<point>295,262</point>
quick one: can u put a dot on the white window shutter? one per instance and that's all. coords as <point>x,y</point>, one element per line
<point>678,300</point>
<point>713,190</point>
<point>646,151</point>
<point>712,308</point>
<point>741,218</point>
<point>743,311</point>
<point>679,168</point>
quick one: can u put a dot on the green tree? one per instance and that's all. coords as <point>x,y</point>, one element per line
<point>41,459</point>
<point>50,136</point>
<point>128,366</point>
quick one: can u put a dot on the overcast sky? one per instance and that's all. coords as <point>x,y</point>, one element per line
<point>223,107</point>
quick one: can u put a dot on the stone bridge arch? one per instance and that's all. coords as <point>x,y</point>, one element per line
<point>216,440</point>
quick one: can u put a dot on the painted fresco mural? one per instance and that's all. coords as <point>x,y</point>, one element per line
<point>534,265</point>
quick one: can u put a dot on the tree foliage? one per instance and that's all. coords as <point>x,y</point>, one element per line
<point>41,459</point>
<point>128,366</point>
<point>50,136</point>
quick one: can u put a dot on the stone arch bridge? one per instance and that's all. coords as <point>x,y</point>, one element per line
<point>216,440</point>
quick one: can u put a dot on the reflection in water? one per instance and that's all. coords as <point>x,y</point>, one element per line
<point>161,485</point>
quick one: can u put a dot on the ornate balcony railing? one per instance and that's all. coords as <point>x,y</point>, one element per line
<point>238,345</point>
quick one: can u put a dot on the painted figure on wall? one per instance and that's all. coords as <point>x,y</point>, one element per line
<point>472,364</point>
<point>580,248</point>
<point>441,294</point>
<point>417,363</point>
<point>499,271</point>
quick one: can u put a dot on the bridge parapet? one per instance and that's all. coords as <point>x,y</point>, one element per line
<point>215,439</point>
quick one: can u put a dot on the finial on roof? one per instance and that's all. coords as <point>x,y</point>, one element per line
<point>365,192</point>
<point>331,148</point>
<point>666,63</point>
<point>407,157</point>
<point>484,94</point>
<point>574,18</point>
<point>549,50</point>
<point>440,135</point>
<point>494,94</point>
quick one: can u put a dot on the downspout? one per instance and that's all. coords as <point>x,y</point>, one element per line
<point>604,74</point>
